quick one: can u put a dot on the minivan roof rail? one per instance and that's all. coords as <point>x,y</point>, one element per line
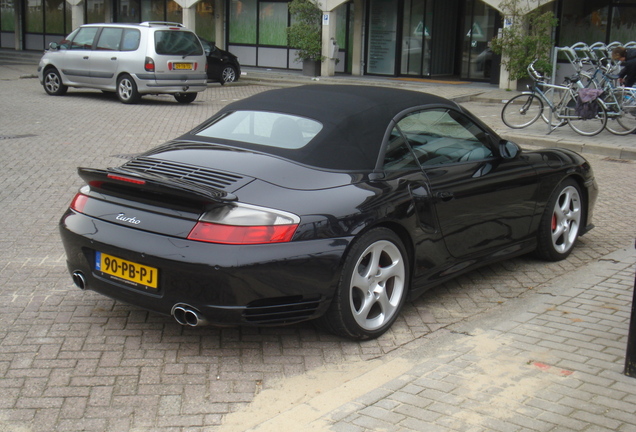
<point>165,23</point>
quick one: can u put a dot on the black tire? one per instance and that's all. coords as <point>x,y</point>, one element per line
<point>53,83</point>
<point>228,74</point>
<point>561,222</point>
<point>521,111</point>
<point>127,90</point>
<point>185,98</point>
<point>623,122</point>
<point>372,288</point>
<point>587,127</point>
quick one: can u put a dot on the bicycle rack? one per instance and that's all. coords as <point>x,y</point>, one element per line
<point>579,54</point>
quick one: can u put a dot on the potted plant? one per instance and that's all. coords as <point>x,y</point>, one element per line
<point>305,35</point>
<point>528,37</point>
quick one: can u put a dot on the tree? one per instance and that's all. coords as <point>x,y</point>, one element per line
<point>528,37</point>
<point>305,32</point>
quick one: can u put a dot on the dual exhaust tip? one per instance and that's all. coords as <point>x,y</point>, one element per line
<point>79,280</point>
<point>183,314</point>
<point>188,316</point>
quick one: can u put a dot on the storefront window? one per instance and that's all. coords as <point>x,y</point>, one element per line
<point>479,29</point>
<point>95,11</point>
<point>68,23</point>
<point>153,10</point>
<point>243,15</point>
<point>174,12</point>
<point>54,16</point>
<point>416,37</point>
<point>272,24</point>
<point>7,16</point>
<point>34,18</point>
<point>623,28</point>
<point>129,11</point>
<point>382,37</point>
<point>586,24</point>
<point>205,24</point>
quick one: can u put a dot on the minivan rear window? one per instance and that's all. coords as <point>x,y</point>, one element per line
<point>174,42</point>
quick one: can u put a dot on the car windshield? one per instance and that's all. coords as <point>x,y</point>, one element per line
<point>263,128</point>
<point>171,42</point>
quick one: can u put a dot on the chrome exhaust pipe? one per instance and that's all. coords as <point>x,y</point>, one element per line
<point>79,280</point>
<point>186,315</point>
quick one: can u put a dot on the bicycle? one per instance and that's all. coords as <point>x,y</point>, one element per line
<point>619,101</point>
<point>523,110</point>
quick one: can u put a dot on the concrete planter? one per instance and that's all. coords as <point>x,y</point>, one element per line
<point>311,68</point>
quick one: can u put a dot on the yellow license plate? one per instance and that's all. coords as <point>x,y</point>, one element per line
<point>182,66</point>
<point>137,275</point>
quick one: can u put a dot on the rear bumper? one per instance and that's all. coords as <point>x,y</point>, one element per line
<point>228,285</point>
<point>148,83</point>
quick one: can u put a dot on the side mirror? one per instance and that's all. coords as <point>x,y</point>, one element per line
<point>508,149</point>
<point>54,46</point>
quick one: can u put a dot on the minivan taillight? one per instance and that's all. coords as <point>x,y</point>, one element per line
<point>149,65</point>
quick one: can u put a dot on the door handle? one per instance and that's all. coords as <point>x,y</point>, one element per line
<point>113,58</point>
<point>444,196</point>
<point>85,57</point>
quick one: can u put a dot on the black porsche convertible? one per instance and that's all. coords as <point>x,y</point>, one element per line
<point>327,202</point>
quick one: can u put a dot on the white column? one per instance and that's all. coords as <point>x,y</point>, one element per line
<point>77,13</point>
<point>189,13</point>
<point>358,23</point>
<point>328,67</point>
<point>219,23</point>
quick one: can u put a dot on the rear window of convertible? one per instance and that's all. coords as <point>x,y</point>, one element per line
<point>263,128</point>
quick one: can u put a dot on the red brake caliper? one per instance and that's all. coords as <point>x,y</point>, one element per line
<point>554,222</point>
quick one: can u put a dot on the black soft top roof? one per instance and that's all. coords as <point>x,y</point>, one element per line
<point>354,118</point>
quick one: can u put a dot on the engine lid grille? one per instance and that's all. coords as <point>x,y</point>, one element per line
<point>228,182</point>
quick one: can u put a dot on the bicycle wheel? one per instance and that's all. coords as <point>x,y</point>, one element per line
<point>623,122</point>
<point>521,111</point>
<point>587,127</point>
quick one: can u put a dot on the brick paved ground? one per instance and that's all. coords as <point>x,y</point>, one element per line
<point>73,360</point>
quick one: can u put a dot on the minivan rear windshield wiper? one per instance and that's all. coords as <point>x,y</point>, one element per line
<point>194,51</point>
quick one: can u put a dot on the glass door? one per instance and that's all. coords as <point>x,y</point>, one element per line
<point>480,26</point>
<point>416,39</point>
<point>381,53</point>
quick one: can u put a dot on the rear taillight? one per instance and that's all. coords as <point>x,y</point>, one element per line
<point>245,224</point>
<point>79,202</point>
<point>241,235</point>
<point>149,65</point>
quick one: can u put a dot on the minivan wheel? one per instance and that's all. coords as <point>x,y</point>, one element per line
<point>127,90</point>
<point>53,83</point>
<point>185,98</point>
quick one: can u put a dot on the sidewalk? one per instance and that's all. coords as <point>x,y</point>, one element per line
<point>553,361</point>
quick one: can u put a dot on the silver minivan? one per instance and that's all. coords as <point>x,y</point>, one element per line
<point>129,59</point>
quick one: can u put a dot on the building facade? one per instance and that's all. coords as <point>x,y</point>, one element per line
<point>403,38</point>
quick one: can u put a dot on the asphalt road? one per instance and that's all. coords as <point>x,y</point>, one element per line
<point>73,360</point>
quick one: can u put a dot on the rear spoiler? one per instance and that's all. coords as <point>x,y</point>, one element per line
<point>119,177</point>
